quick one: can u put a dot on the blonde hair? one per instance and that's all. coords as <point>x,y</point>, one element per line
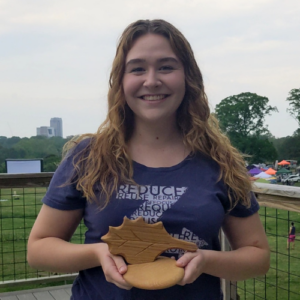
<point>106,162</point>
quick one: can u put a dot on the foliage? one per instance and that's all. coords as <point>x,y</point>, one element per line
<point>49,149</point>
<point>9,142</point>
<point>242,118</point>
<point>288,147</point>
<point>294,103</point>
<point>244,114</point>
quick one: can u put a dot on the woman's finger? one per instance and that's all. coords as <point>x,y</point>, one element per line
<point>193,266</point>
<point>120,264</point>
<point>185,259</point>
<point>113,275</point>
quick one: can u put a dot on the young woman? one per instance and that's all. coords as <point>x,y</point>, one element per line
<point>159,155</point>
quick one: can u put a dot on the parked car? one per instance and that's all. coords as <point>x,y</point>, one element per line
<point>291,178</point>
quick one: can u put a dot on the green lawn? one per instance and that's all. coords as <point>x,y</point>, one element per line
<point>284,275</point>
<point>18,215</point>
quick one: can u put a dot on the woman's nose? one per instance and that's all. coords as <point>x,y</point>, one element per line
<point>152,79</point>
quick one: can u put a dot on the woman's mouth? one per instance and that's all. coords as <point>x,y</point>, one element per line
<point>154,97</point>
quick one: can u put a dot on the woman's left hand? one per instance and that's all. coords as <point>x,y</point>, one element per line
<point>193,264</point>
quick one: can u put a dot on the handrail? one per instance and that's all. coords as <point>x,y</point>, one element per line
<point>25,180</point>
<point>278,196</point>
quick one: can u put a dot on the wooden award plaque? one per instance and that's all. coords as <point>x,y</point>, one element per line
<point>140,244</point>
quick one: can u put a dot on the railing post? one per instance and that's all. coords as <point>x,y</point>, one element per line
<point>228,288</point>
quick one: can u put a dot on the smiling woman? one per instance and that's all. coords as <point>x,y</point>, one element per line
<point>159,155</point>
<point>154,80</point>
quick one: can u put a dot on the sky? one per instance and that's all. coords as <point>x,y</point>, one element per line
<point>56,56</point>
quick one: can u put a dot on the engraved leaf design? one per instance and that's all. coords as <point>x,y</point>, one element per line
<point>139,242</point>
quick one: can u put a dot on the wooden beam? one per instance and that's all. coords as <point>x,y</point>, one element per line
<point>278,196</point>
<point>25,180</point>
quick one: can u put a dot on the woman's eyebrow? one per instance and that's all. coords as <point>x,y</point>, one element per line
<point>160,60</point>
<point>135,61</point>
<point>168,59</point>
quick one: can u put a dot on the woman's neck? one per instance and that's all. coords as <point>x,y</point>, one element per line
<point>155,134</point>
<point>157,145</point>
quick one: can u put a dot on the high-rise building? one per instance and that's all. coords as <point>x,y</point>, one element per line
<point>45,131</point>
<point>56,123</point>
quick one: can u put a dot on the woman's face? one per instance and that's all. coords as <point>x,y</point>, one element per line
<point>154,79</point>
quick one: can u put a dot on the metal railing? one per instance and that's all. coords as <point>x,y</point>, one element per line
<point>20,202</point>
<point>280,205</point>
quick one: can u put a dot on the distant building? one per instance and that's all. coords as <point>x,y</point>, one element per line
<point>56,123</point>
<point>45,131</point>
<point>55,128</point>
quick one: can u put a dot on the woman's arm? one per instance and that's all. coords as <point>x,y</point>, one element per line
<point>250,255</point>
<point>49,247</point>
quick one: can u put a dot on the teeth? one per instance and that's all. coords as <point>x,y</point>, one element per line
<point>153,97</point>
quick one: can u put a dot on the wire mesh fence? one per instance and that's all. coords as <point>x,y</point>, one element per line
<point>282,282</point>
<point>18,210</point>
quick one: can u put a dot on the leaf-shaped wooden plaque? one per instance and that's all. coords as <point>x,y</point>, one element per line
<point>139,242</point>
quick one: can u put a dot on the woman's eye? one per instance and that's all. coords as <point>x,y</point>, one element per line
<point>137,70</point>
<point>166,68</point>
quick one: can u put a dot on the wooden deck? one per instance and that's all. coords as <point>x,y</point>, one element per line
<point>49,293</point>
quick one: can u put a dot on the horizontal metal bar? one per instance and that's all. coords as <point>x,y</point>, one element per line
<point>54,278</point>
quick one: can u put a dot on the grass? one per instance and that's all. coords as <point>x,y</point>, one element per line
<point>282,280</point>
<point>18,215</point>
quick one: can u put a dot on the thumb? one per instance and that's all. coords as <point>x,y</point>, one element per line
<point>120,264</point>
<point>185,259</point>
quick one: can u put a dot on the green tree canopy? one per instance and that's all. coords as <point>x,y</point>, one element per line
<point>244,113</point>
<point>242,118</point>
<point>288,147</point>
<point>294,103</point>
<point>49,149</point>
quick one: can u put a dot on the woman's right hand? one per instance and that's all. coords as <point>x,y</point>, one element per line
<point>113,266</point>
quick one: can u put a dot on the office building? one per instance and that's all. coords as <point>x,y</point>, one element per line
<point>55,128</point>
<point>45,131</point>
<point>56,123</point>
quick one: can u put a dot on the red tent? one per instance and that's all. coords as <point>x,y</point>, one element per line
<point>270,171</point>
<point>283,163</point>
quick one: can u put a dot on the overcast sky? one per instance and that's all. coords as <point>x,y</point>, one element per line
<point>56,55</point>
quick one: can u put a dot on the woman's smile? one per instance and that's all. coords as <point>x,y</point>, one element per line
<point>153,98</point>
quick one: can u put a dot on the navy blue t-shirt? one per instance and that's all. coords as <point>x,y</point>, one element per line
<point>187,198</point>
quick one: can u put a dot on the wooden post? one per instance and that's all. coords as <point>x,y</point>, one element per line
<point>226,284</point>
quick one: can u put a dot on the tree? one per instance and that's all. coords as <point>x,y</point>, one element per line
<point>288,147</point>
<point>244,114</point>
<point>9,142</point>
<point>242,118</point>
<point>51,162</point>
<point>50,149</point>
<point>294,103</point>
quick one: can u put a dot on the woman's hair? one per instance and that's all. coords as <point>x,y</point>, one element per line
<point>106,162</point>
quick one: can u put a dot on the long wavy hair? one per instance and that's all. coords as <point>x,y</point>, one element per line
<point>105,162</point>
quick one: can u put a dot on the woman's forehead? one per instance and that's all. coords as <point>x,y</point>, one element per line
<point>150,46</point>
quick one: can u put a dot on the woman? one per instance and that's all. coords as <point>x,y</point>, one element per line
<point>159,155</point>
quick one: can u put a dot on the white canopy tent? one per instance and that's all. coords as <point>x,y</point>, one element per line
<point>263,175</point>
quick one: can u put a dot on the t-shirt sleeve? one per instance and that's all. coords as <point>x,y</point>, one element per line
<point>62,194</point>
<point>242,211</point>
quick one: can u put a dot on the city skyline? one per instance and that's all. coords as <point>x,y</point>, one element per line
<point>55,128</point>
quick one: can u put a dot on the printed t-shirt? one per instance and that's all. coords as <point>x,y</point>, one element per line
<point>187,198</point>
